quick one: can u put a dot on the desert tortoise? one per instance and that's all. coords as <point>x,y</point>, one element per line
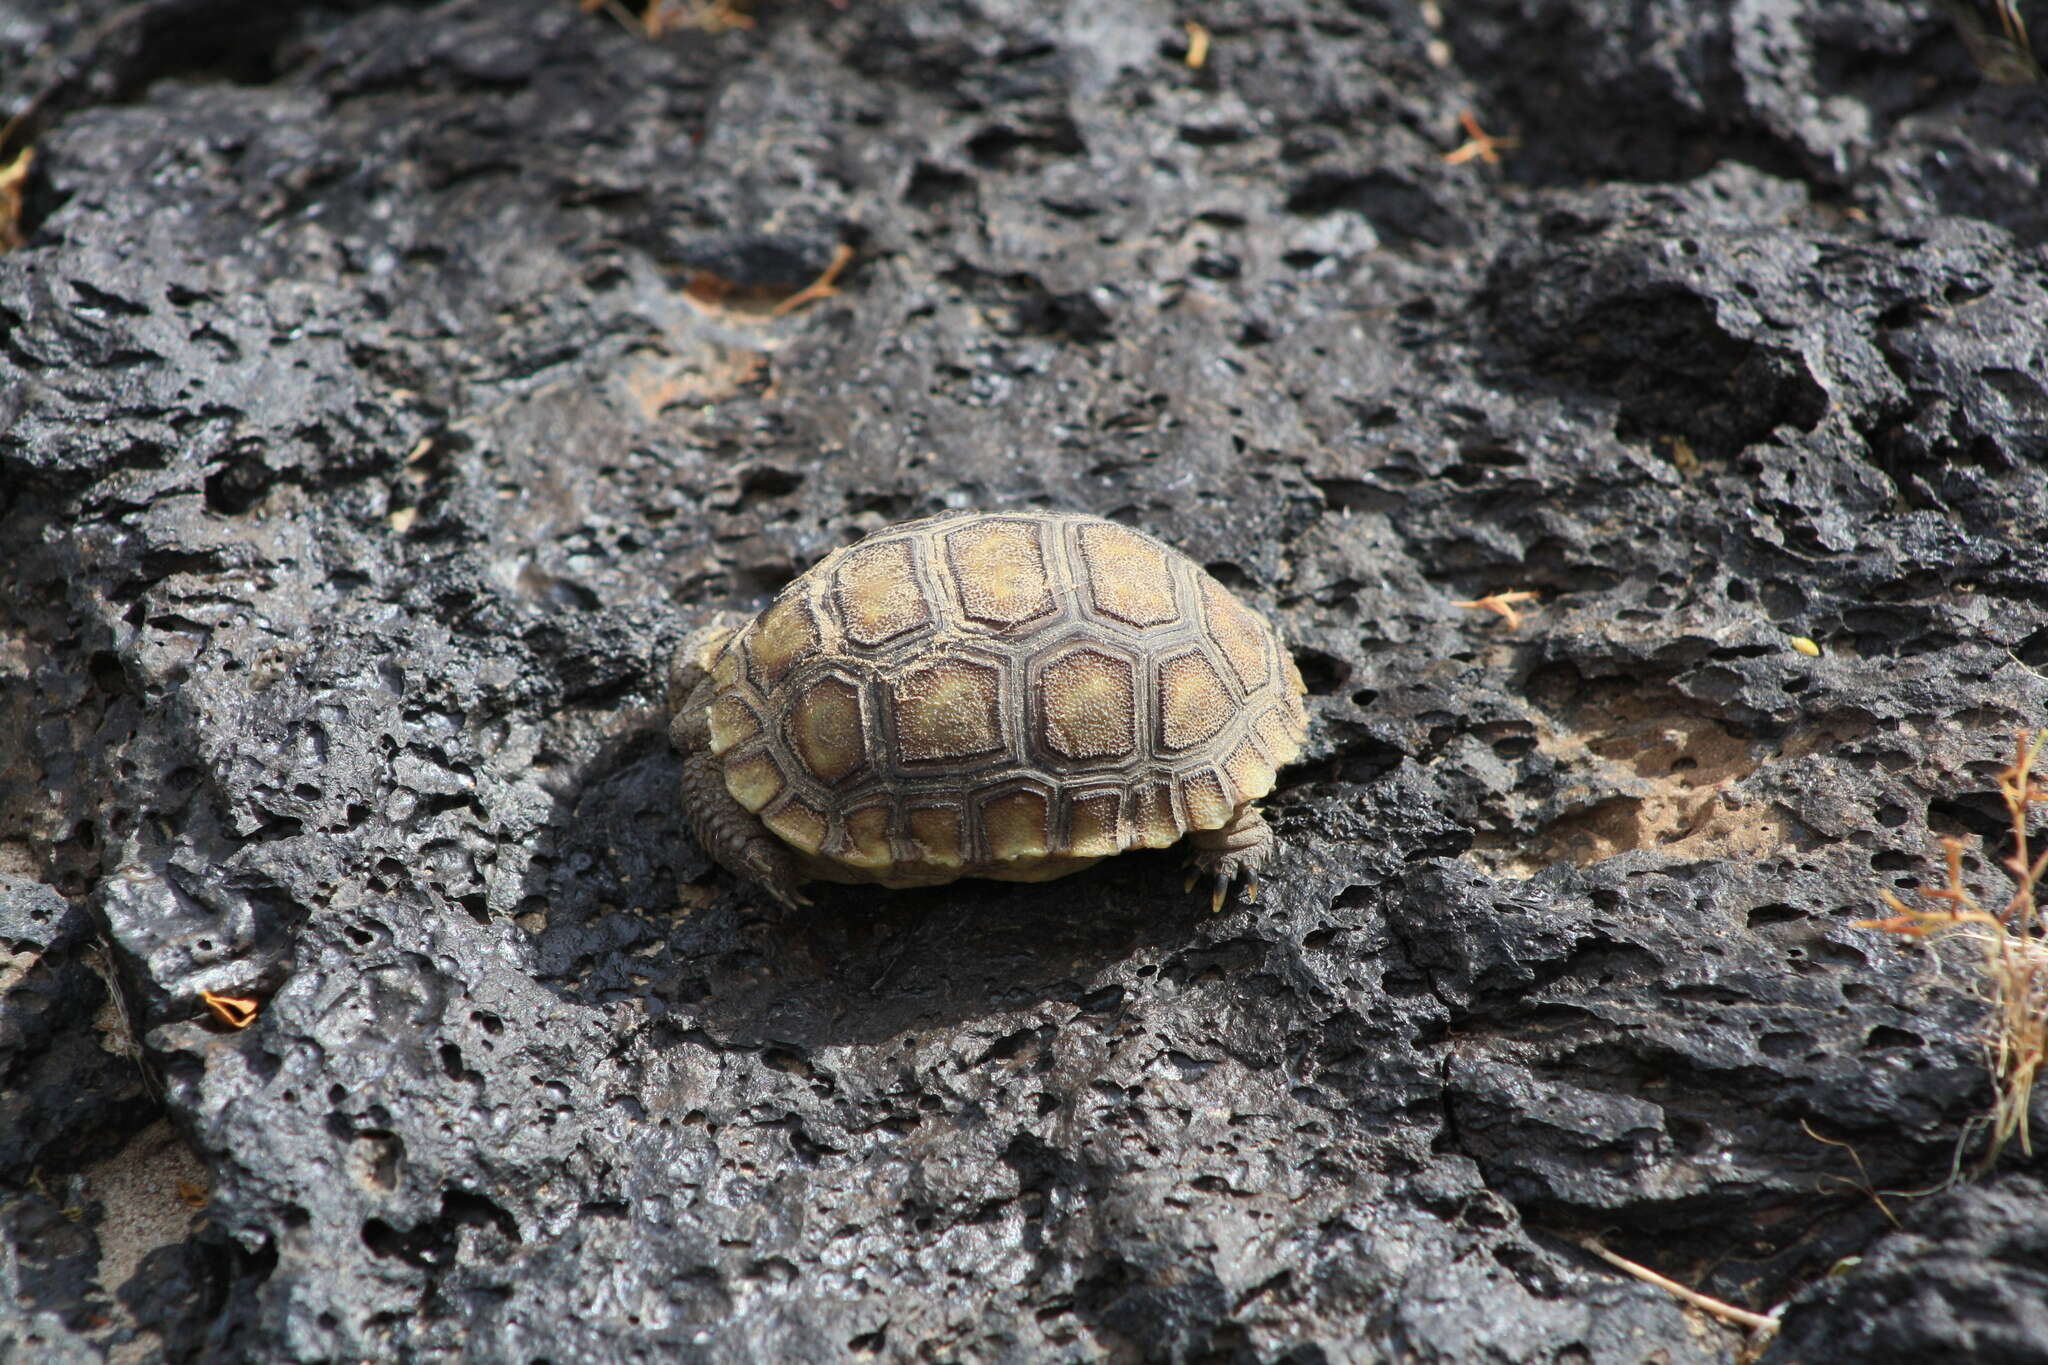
<point>985,694</point>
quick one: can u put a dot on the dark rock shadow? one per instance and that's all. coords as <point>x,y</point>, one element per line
<point>621,904</point>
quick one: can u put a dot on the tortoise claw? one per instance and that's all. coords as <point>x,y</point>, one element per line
<point>774,872</point>
<point>1224,870</point>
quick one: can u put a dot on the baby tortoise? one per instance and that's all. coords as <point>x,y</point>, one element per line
<point>1010,695</point>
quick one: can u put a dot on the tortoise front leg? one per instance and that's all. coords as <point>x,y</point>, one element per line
<point>1238,849</point>
<point>731,834</point>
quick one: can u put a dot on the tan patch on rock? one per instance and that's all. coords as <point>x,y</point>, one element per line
<point>148,1189</point>
<point>1654,778</point>
<point>713,373</point>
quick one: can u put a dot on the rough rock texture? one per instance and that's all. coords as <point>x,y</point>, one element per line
<point>387,388</point>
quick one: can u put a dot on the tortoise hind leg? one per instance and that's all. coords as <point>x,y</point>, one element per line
<point>1238,849</point>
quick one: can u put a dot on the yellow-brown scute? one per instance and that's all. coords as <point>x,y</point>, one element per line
<point>1128,576</point>
<point>867,839</point>
<point>732,722</point>
<point>1157,822</point>
<point>1012,695</point>
<point>1244,637</point>
<point>1015,826</point>
<point>725,666</point>
<point>754,782</point>
<point>999,572</point>
<point>1089,702</point>
<point>947,709</point>
<point>1208,807</point>
<point>1282,728</point>
<point>1193,702</point>
<point>1248,769</point>
<point>1096,828</point>
<point>825,726</point>
<point>798,825</point>
<point>878,594</point>
<point>935,837</point>
<point>784,634</point>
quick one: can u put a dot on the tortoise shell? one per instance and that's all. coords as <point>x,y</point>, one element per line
<point>1009,695</point>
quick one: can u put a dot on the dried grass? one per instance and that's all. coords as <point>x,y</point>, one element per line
<point>2012,945</point>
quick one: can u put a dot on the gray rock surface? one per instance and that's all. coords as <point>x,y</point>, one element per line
<point>385,389</point>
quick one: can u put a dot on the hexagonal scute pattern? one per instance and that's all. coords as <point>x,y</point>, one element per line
<point>999,572</point>
<point>1129,577</point>
<point>878,595</point>
<point>1086,704</point>
<point>779,639</point>
<point>1194,705</point>
<point>950,708</point>
<point>1009,695</point>
<point>1016,826</point>
<point>826,731</point>
<point>1241,634</point>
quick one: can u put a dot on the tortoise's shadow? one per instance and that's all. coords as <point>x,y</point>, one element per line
<point>621,905</point>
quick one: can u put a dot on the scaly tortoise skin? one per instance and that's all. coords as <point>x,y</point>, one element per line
<point>1009,695</point>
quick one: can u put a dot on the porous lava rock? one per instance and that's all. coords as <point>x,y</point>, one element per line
<point>386,389</point>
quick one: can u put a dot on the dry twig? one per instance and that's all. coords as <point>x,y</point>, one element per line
<point>1502,604</point>
<point>662,17</point>
<point>13,176</point>
<point>1479,145</point>
<point>1760,1325</point>
<point>824,287</point>
<point>235,1011</point>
